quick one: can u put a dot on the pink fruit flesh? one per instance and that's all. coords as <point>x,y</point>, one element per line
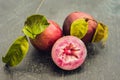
<point>92,24</point>
<point>69,52</point>
<point>47,38</point>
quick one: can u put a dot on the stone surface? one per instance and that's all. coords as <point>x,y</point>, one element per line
<point>101,64</point>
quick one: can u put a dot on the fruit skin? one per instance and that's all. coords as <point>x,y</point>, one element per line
<point>66,56</point>
<point>47,38</point>
<point>92,24</point>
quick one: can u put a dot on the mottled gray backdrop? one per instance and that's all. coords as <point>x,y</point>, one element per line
<point>101,64</point>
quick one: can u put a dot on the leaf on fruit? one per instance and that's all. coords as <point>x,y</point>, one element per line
<point>34,25</point>
<point>17,51</point>
<point>79,28</point>
<point>101,34</point>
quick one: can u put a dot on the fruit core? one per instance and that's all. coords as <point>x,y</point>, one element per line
<point>70,50</point>
<point>69,53</point>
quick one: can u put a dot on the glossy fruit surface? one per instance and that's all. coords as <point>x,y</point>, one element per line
<point>47,38</point>
<point>92,24</point>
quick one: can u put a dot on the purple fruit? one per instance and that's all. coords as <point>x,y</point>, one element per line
<point>47,38</point>
<point>92,24</point>
<point>69,52</point>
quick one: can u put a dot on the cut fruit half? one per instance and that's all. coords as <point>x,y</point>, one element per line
<point>69,52</point>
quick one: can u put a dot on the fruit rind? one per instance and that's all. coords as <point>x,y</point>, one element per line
<point>92,24</point>
<point>47,38</point>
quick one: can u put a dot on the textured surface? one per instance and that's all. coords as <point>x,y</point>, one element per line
<point>103,64</point>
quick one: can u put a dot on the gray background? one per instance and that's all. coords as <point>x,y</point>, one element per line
<point>101,64</point>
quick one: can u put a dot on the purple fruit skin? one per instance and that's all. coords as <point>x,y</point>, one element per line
<point>47,38</point>
<point>92,24</point>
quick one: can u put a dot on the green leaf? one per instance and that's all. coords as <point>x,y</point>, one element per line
<point>17,51</point>
<point>79,28</point>
<point>34,25</point>
<point>101,34</point>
